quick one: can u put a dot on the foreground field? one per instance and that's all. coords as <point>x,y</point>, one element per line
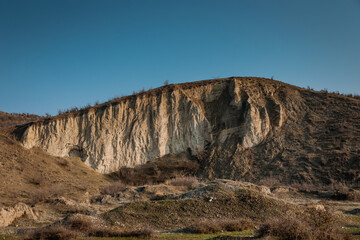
<point>46,197</point>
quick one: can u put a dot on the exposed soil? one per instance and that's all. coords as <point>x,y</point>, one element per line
<point>29,174</point>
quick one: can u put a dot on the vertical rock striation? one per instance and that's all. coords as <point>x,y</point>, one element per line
<point>234,113</point>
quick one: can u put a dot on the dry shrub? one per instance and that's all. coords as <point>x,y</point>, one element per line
<point>84,226</point>
<point>270,182</point>
<point>232,225</point>
<point>319,225</point>
<point>52,233</point>
<point>287,228</point>
<point>319,219</point>
<point>139,233</point>
<point>80,223</point>
<point>111,232</point>
<point>104,232</point>
<point>305,187</point>
<point>46,193</point>
<point>354,195</point>
<point>157,171</point>
<point>340,191</point>
<point>183,181</point>
<point>114,187</point>
<point>214,226</point>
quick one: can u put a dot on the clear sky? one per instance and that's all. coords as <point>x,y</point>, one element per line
<point>59,54</point>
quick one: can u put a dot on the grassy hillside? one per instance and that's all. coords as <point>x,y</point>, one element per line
<point>32,175</point>
<point>13,119</point>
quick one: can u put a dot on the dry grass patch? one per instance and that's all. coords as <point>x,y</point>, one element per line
<point>219,225</point>
<point>46,193</point>
<point>182,181</point>
<point>270,182</point>
<point>314,225</point>
<point>79,225</point>
<point>111,232</point>
<point>52,233</point>
<point>157,171</point>
<point>114,187</point>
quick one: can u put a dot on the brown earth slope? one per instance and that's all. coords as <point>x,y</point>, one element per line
<point>13,119</point>
<point>320,144</point>
<point>29,175</point>
<point>239,128</point>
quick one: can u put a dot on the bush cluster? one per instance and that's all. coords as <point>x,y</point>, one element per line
<point>83,226</point>
<point>219,225</point>
<point>314,225</point>
<point>157,171</point>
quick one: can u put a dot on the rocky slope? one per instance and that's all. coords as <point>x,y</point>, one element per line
<point>241,128</point>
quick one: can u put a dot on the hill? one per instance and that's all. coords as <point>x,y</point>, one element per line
<point>32,175</point>
<point>13,119</point>
<point>239,128</point>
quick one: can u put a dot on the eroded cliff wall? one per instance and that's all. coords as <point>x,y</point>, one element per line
<point>234,113</point>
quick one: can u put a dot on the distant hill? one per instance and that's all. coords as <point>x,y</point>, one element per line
<point>13,119</point>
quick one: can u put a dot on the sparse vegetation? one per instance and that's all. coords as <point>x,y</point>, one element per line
<point>114,187</point>
<point>47,192</point>
<point>270,182</point>
<point>14,119</point>
<point>319,225</point>
<point>206,226</point>
<point>52,233</point>
<point>220,225</point>
<point>171,205</point>
<point>157,171</point>
<point>79,223</point>
<point>111,232</point>
<point>183,181</point>
<point>82,226</point>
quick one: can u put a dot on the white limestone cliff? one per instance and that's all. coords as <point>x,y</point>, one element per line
<point>172,119</point>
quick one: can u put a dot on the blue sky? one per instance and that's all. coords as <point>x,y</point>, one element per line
<point>59,54</point>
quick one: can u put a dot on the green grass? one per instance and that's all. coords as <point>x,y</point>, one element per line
<point>7,237</point>
<point>352,230</point>
<point>166,236</point>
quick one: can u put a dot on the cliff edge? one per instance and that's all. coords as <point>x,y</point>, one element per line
<point>244,128</point>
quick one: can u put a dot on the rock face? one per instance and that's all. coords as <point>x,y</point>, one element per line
<point>176,119</point>
<point>9,214</point>
<point>247,128</point>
